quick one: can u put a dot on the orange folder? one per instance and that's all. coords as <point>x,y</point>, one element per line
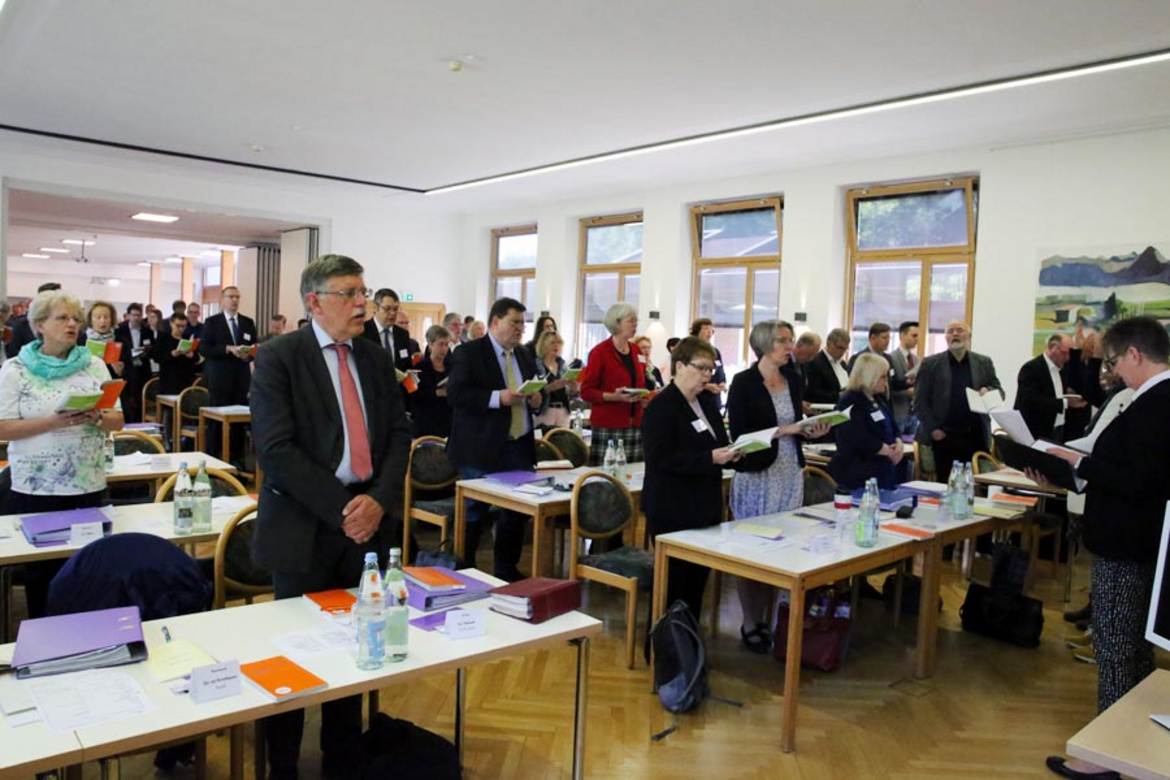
<point>280,678</point>
<point>335,602</point>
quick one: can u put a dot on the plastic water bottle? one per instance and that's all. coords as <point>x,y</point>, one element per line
<point>397,618</point>
<point>609,465</point>
<point>619,464</point>
<point>946,506</point>
<point>867,519</point>
<point>969,489</point>
<point>843,514</point>
<point>369,615</point>
<point>184,502</point>
<point>576,423</point>
<point>957,494</point>
<point>202,501</point>
<point>109,451</point>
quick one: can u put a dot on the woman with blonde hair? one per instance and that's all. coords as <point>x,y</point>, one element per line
<point>550,366</point>
<point>867,445</point>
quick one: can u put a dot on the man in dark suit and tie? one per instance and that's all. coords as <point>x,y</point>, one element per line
<point>228,346</point>
<point>1041,390</point>
<point>491,423</point>
<point>904,360</point>
<point>827,373</point>
<point>333,440</point>
<point>383,330</point>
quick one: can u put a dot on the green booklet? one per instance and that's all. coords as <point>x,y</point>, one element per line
<point>532,386</point>
<point>755,441</point>
<point>572,374</point>
<point>832,418</point>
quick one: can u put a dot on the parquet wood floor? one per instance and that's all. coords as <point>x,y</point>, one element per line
<point>991,710</point>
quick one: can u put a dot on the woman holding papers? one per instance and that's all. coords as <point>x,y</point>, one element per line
<point>686,450</point>
<point>100,321</point>
<point>551,367</point>
<point>432,413</point>
<point>57,458</point>
<point>867,445</point>
<point>767,395</point>
<point>614,382</point>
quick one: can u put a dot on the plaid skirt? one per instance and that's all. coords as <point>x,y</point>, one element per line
<point>629,439</point>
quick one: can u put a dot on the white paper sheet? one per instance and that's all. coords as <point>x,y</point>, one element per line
<point>72,701</point>
<point>304,644</point>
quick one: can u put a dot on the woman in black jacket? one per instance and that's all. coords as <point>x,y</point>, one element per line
<point>867,445</point>
<point>767,395</point>
<point>432,413</point>
<point>686,449</point>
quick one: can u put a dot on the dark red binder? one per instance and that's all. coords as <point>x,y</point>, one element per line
<point>545,598</point>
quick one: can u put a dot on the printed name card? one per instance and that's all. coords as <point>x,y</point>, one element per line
<point>215,681</point>
<point>464,624</point>
<point>82,534</point>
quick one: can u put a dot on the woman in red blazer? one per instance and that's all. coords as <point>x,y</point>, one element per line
<point>616,362</point>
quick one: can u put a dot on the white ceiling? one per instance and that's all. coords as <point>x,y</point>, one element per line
<point>362,89</point>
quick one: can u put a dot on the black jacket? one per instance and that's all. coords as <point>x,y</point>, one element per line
<point>859,440</point>
<point>682,488</point>
<point>1036,400</point>
<point>750,408</point>
<point>228,377</point>
<point>404,346</point>
<point>823,387</point>
<point>431,412</point>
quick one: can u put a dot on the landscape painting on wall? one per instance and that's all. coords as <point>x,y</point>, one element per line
<point>1091,288</point>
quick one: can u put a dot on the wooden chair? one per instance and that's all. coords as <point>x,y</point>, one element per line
<point>984,462</point>
<point>150,401</point>
<point>573,448</point>
<point>1043,523</point>
<point>127,442</point>
<point>546,450</point>
<point>236,575</point>
<point>819,487</point>
<point>601,507</point>
<point>432,474</point>
<point>222,484</point>
<point>191,401</point>
<point>923,463</point>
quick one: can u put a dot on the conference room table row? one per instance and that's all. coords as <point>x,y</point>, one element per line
<point>247,633</point>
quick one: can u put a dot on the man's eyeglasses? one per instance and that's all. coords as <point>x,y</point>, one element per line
<point>1110,362</point>
<point>702,368</point>
<point>350,294</point>
<point>514,323</point>
<point>388,309</point>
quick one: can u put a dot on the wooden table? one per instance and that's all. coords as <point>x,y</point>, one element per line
<point>176,418</point>
<point>226,416</point>
<point>1124,739</point>
<point>243,633</point>
<point>793,567</point>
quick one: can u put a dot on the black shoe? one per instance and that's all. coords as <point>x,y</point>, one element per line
<point>343,766</point>
<point>758,640</point>
<point>1056,764</point>
<point>1084,613</point>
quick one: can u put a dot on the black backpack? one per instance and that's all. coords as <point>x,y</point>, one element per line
<point>398,747</point>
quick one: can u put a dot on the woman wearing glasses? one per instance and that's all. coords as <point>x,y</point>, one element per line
<point>767,395</point>
<point>686,450</point>
<point>614,383</point>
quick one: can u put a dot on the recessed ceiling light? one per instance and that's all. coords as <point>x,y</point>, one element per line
<point>146,216</point>
<point>54,250</point>
<point>32,256</point>
<point>77,242</point>
<point>172,259</point>
<point>114,282</point>
<point>145,265</point>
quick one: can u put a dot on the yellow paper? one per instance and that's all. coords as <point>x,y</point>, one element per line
<point>173,660</point>
<point>756,529</point>
<point>1002,512</point>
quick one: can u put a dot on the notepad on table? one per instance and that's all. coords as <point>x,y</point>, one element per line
<point>280,678</point>
<point>334,602</point>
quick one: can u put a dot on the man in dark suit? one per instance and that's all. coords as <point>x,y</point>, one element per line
<point>22,332</point>
<point>808,346</point>
<point>945,420</point>
<point>333,440</point>
<point>228,346</point>
<point>904,361</point>
<point>827,373</point>
<point>194,327</point>
<point>137,342</point>
<point>383,331</point>
<point>1041,390</point>
<point>491,423</point>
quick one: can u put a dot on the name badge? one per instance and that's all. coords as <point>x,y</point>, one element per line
<point>641,358</point>
<point>82,534</point>
<point>699,425</point>
<point>247,337</point>
<point>877,416</point>
<point>464,624</point>
<point>146,341</point>
<point>718,363</point>
<point>215,681</point>
<point>402,353</point>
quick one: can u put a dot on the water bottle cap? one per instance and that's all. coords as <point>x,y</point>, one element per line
<point>371,557</point>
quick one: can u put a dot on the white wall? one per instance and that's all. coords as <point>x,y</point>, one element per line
<point>1104,190</point>
<point>401,239</point>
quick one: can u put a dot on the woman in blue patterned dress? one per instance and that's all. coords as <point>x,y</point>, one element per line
<point>768,394</point>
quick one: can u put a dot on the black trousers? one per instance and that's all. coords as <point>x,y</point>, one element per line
<point>337,564</point>
<point>517,455</point>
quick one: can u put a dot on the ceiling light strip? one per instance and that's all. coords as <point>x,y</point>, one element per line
<point>863,109</point>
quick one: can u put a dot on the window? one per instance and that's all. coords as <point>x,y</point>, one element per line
<point>611,271</point>
<point>736,251</point>
<point>912,257</point>
<point>514,268</point>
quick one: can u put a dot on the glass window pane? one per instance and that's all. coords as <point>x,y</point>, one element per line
<point>632,289</point>
<point>607,244</point>
<point>516,252</point>
<point>948,302</point>
<point>211,277</point>
<point>529,301</point>
<point>884,292</point>
<point>601,291</point>
<point>766,295</point>
<point>922,219</point>
<point>509,287</point>
<point>723,298</point>
<point>739,233</point>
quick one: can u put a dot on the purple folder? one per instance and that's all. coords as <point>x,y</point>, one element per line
<point>64,636</point>
<point>56,527</point>
<point>518,478</point>
<point>428,601</point>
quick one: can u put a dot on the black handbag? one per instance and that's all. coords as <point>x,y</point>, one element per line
<point>444,556</point>
<point>1008,617</point>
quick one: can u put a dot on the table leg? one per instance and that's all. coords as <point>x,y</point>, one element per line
<point>225,441</point>
<point>580,707</point>
<point>657,599</point>
<point>236,746</point>
<point>460,695</point>
<point>792,667</point>
<point>928,611</point>
<point>176,427</point>
<point>460,524</point>
<point>201,433</point>
<point>111,768</point>
<point>5,603</point>
<point>537,538</point>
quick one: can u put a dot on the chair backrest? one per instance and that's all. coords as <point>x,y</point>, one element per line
<point>546,450</point>
<point>130,569</point>
<point>923,462</point>
<point>150,396</point>
<point>819,487</point>
<point>192,400</point>
<point>236,574</point>
<point>126,442</point>
<point>982,463</point>
<point>430,467</point>
<point>573,448</point>
<point>222,484</point>
<point>600,507</point>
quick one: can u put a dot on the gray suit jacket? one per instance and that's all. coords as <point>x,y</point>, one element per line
<point>933,390</point>
<point>900,400</point>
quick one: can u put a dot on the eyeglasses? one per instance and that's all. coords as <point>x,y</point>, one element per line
<point>514,323</point>
<point>702,368</point>
<point>393,307</point>
<point>349,294</point>
<point>1110,362</point>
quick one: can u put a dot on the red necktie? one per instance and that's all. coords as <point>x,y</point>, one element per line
<point>910,359</point>
<point>355,420</point>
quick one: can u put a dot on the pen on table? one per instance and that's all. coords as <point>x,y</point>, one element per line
<point>811,516</point>
<point>166,634</point>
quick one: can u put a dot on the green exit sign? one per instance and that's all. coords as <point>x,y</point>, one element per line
<point>408,296</point>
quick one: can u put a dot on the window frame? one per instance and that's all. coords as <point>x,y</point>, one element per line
<point>584,270</point>
<point>927,257</point>
<point>523,274</point>
<point>750,264</point>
